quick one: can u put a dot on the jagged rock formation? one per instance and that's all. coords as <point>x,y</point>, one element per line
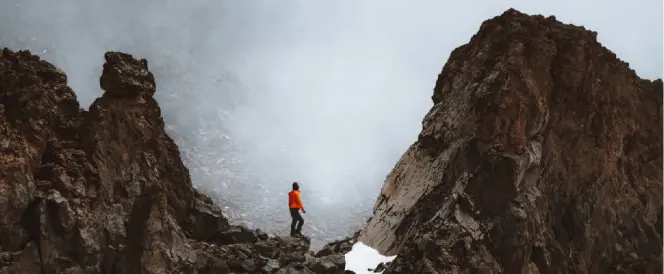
<point>542,154</point>
<point>105,191</point>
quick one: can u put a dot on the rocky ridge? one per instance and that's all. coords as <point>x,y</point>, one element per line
<point>105,190</point>
<point>542,154</point>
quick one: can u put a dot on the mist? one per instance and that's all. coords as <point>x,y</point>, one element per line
<point>259,94</point>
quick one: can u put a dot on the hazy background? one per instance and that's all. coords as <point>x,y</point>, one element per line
<point>328,93</point>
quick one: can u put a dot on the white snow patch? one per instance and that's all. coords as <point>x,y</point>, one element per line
<point>362,257</point>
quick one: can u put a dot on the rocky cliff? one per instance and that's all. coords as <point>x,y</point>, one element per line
<point>542,154</point>
<point>105,190</point>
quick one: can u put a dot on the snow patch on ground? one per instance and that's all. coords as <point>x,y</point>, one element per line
<point>362,257</point>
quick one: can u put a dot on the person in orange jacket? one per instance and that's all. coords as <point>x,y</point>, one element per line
<point>295,204</point>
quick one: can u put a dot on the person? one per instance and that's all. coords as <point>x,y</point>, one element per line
<point>295,205</point>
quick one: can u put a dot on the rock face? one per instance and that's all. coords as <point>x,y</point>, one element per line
<point>105,191</point>
<point>542,154</point>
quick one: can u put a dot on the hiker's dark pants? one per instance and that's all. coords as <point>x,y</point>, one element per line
<point>296,225</point>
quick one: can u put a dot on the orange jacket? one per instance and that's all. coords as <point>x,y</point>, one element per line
<point>294,200</point>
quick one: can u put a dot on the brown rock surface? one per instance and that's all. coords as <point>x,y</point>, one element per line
<point>105,191</point>
<point>542,154</point>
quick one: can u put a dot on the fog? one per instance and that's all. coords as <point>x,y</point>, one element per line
<point>258,94</point>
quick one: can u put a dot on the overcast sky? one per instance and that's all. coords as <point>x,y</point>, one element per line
<point>336,90</point>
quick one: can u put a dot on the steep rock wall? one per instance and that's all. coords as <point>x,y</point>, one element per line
<point>542,154</point>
